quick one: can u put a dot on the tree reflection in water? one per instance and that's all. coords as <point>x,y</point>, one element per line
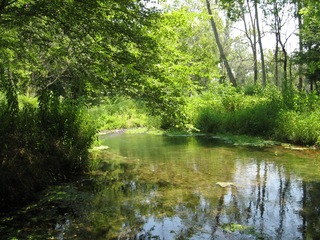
<point>266,201</point>
<point>310,212</point>
<point>165,188</point>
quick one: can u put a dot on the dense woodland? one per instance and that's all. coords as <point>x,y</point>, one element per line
<point>69,68</point>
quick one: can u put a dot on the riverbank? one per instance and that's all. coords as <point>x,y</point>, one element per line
<point>237,140</point>
<point>282,116</point>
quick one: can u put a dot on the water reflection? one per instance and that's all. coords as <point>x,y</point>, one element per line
<point>310,210</point>
<point>189,188</point>
<point>265,201</point>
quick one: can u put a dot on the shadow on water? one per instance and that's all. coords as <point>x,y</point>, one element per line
<point>160,187</point>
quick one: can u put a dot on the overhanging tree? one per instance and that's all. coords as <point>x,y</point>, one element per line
<point>63,51</point>
<point>96,42</point>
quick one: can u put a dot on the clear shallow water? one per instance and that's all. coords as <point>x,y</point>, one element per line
<point>183,188</point>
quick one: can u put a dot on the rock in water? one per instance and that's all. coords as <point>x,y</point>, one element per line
<point>225,184</point>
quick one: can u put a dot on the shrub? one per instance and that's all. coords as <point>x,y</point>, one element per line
<point>289,116</point>
<point>209,120</point>
<point>234,112</point>
<point>299,128</point>
<point>256,119</point>
<point>118,113</point>
<point>46,145</point>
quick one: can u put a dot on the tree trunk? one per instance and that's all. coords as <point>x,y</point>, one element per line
<point>285,60</point>
<point>311,84</point>
<point>222,54</point>
<point>285,64</point>
<point>276,61</point>
<point>276,53</point>
<point>253,42</point>
<point>263,68</point>
<point>11,94</point>
<point>300,84</point>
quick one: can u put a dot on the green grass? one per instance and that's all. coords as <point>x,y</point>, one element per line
<point>122,113</point>
<point>263,113</point>
<point>42,146</point>
<point>269,114</point>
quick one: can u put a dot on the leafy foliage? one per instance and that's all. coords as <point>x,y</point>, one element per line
<point>122,113</point>
<point>237,113</point>
<point>291,117</point>
<point>64,53</point>
<point>43,147</point>
<point>310,42</point>
<point>69,55</point>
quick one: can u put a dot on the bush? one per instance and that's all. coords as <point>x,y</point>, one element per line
<point>45,145</point>
<point>256,119</point>
<point>123,113</point>
<point>299,128</point>
<point>290,116</point>
<point>230,111</point>
<point>210,120</point>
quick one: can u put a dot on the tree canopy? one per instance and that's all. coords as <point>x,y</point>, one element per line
<point>76,47</point>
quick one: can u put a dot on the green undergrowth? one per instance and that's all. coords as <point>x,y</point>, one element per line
<point>152,131</point>
<point>299,127</point>
<point>282,116</point>
<point>266,116</point>
<point>43,142</point>
<point>46,140</point>
<point>122,113</point>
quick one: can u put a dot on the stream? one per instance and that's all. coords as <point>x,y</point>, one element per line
<point>179,187</point>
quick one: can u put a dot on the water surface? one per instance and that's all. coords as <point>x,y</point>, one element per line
<point>161,187</point>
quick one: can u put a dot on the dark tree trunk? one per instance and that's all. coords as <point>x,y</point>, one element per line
<point>263,68</point>
<point>300,84</point>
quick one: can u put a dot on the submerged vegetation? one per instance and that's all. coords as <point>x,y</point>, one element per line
<point>188,193</point>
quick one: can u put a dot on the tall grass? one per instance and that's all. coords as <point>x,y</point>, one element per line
<point>122,113</point>
<point>42,147</point>
<point>299,127</point>
<point>293,117</point>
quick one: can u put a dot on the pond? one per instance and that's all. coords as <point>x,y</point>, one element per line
<point>179,187</point>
